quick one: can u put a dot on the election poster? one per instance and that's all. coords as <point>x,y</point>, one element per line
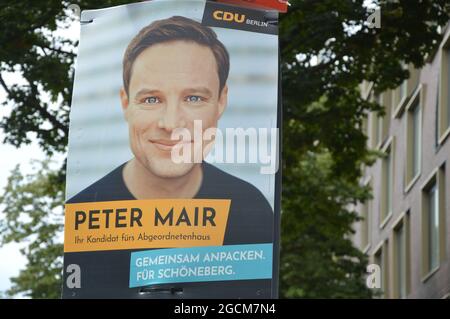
<point>173,187</point>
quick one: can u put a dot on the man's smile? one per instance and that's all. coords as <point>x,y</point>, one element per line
<point>166,145</point>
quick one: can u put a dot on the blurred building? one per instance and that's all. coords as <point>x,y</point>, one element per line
<point>406,226</point>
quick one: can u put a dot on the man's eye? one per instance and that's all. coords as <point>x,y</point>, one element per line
<point>194,98</point>
<point>151,100</point>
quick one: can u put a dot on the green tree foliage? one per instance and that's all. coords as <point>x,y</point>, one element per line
<point>317,260</point>
<point>33,215</point>
<point>30,47</point>
<point>327,50</point>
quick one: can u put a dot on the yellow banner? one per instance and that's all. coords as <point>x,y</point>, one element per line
<point>141,224</point>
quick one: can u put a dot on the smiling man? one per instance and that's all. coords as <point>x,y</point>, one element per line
<point>175,72</point>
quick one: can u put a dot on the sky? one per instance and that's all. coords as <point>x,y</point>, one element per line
<point>11,260</point>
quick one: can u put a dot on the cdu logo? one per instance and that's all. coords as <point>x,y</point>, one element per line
<point>240,18</point>
<point>229,16</point>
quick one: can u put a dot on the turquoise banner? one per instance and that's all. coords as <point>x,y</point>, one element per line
<point>214,263</point>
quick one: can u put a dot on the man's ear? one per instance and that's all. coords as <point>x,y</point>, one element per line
<point>124,101</point>
<point>223,100</point>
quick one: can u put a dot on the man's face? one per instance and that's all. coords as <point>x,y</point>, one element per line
<point>172,84</point>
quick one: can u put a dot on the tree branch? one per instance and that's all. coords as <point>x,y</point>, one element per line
<point>45,113</point>
<point>60,51</point>
<point>5,87</point>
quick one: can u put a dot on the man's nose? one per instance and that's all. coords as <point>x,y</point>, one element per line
<point>172,117</point>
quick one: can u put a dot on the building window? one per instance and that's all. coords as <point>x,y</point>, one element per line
<point>387,183</point>
<point>365,128</point>
<point>385,269</point>
<point>444,94</point>
<point>403,91</point>
<point>380,258</point>
<point>375,120</point>
<point>365,222</point>
<point>387,104</point>
<point>366,89</point>
<point>399,95</point>
<point>447,104</point>
<point>381,120</point>
<point>364,225</point>
<point>400,261</point>
<point>377,260</point>
<point>414,139</point>
<point>433,227</point>
<point>433,222</point>
<point>401,257</point>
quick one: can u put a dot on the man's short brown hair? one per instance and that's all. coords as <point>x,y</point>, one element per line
<point>176,28</point>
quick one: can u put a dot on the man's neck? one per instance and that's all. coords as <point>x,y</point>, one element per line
<point>144,185</point>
